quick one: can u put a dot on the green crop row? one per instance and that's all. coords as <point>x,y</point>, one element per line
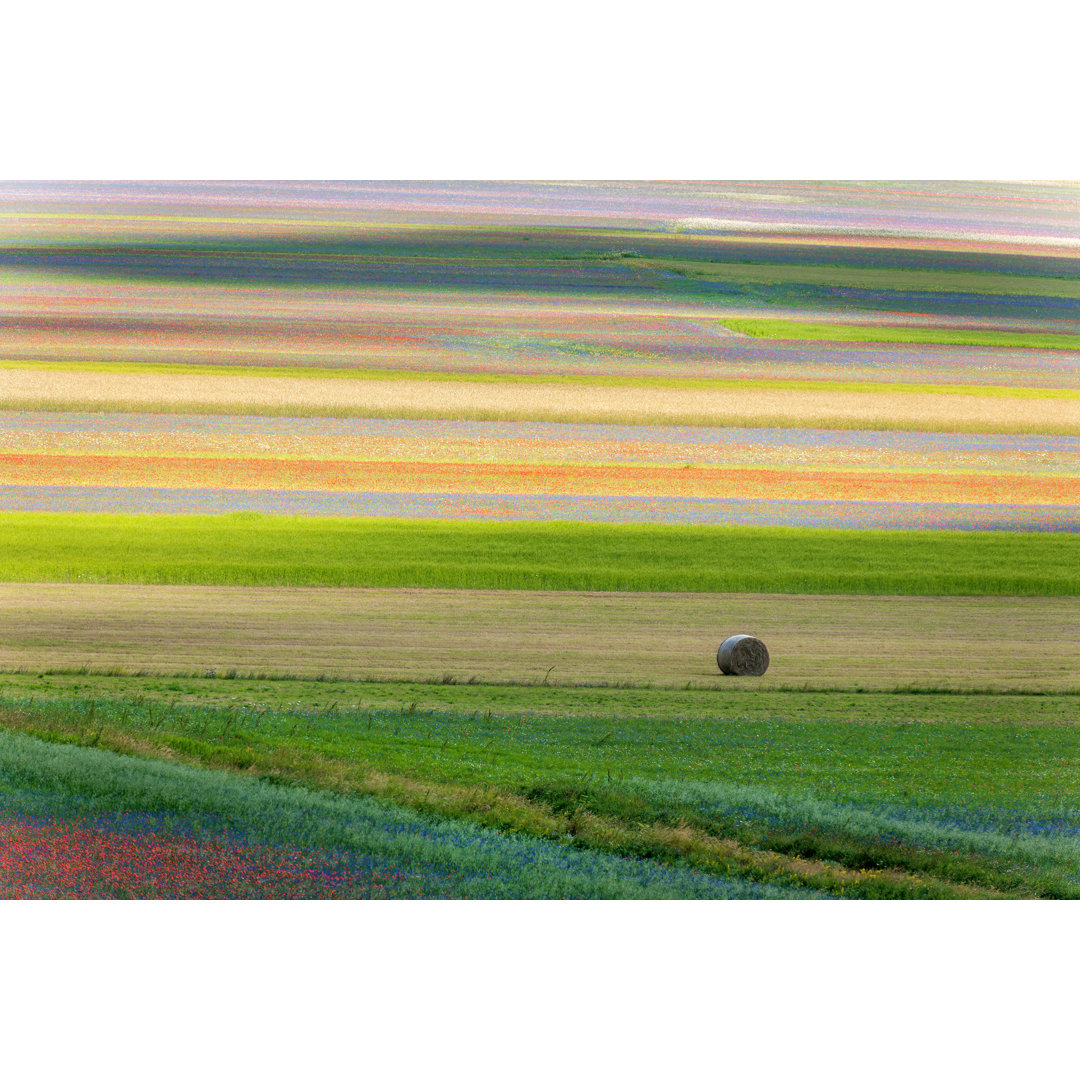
<point>250,549</point>
<point>791,330</point>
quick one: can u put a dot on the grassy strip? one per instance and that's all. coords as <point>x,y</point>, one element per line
<point>428,857</point>
<point>768,800</point>
<point>541,695</point>
<point>790,330</point>
<point>880,857</point>
<point>730,698</point>
<point>251,549</point>
<point>658,381</point>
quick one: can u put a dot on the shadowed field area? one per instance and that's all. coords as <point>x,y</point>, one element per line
<point>666,639</point>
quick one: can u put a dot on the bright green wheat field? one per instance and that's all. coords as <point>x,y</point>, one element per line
<point>253,549</point>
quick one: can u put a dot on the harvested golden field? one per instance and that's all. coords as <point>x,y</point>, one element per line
<point>665,639</point>
<point>568,402</point>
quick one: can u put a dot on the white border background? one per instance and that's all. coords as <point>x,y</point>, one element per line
<point>560,90</point>
<point>574,89</point>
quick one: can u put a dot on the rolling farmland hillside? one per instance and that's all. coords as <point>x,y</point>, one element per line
<point>315,498</point>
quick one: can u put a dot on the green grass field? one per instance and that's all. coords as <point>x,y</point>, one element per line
<point>872,795</point>
<point>791,330</point>
<point>66,798</point>
<point>249,549</point>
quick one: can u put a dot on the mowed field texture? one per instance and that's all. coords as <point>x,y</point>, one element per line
<point>314,499</point>
<point>602,638</point>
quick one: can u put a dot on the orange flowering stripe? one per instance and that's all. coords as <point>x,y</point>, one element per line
<point>515,443</point>
<point>293,465</point>
<point>469,477</point>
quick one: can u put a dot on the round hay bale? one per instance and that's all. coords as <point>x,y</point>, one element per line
<point>743,654</point>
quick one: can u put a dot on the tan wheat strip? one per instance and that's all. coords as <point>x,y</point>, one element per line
<point>550,401</point>
<point>668,639</point>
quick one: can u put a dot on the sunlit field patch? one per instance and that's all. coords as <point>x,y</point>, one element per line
<point>251,549</point>
<point>532,636</point>
<point>975,335</point>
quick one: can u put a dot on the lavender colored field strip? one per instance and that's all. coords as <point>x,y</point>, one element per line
<point>804,514</point>
<point>533,441</point>
<point>1040,217</point>
<point>669,435</point>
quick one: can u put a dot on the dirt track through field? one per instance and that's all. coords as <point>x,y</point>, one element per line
<point>658,638</point>
<point>156,391</point>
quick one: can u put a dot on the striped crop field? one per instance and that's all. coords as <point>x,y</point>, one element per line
<point>827,311</point>
<point>73,461</point>
<point>520,438</point>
